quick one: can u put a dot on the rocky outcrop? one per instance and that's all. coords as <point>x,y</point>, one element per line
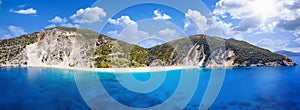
<point>55,47</point>
<point>289,62</point>
<point>60,48</point>
<point>221,58</point>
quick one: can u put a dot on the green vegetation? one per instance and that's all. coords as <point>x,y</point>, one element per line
<point>103,62</point>
<point>138,54</point>
<point>169,51</point>
<point>103,49</point>
<point>135,64</point>
<point>88,34</point>
<point>64,29</point>
<point>103,52</point>
<point>114,53</point>
<point>162,52</point>
<point>253,54</point>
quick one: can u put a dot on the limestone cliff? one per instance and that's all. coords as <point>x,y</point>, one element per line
<point>52,47</point>
<point>68,47</point>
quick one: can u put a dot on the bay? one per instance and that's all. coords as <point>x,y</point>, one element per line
<point>242,88</point>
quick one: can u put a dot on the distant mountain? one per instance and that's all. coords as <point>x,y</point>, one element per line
<point>288,53</point>
<point>71,47</point>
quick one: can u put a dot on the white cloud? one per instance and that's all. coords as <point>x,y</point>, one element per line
<point>227,31</point>
<point>195,22</point>
<point>288,43</point>
<point>151,42</point>
<point>16,31</point>
<point>88,15</point>
<point>70,25</point>
<point>160,16</point>
<point>62,24</point>
<point>22,6</point>
<point>168,33</point>
<point>297,41</point>
<point>249,24</point>
<point>122,21</point>
<point>265,17</point>
<point>112,33</point>
<point>297,33</point>
<point>132,35</point>
<point>128,30</point>
<point>257,15</point>
<point>272,44</point>
<point>50,26</point>
<point>265,42</point>
<point>58,19</point>
<point>26,11</point>
<point>12,31</point>
<point>268,27</point>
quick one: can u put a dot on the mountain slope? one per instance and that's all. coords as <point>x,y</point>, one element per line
<point>71,47</point>
<point>202,50</point>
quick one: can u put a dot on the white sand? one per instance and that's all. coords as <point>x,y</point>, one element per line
<point>122,70</point>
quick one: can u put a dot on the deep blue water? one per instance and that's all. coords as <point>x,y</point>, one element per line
<point>243,88</point>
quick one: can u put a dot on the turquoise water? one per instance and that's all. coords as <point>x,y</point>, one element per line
<point>243,88</point>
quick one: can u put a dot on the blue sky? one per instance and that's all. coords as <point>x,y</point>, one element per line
<point>271,24</point>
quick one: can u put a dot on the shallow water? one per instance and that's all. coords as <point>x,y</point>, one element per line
<point>243,88</point>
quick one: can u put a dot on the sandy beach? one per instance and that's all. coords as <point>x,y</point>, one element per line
<point>121,70</point>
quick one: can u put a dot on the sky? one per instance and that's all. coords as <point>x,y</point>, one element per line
<point>271,24</point>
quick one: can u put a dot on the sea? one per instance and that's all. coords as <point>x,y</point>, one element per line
<point>246,88</point>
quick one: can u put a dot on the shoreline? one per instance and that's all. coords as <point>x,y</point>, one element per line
<point>137,69</point>
<point>118,70</point>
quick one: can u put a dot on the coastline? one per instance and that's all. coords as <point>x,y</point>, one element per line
<point>133,70</point>
<point>118,70</point>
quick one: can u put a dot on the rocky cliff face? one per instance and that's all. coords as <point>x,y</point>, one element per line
<point>55,47</point>
<point>60,48</point>
<point>221,58</point>
<point>70,47</point>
